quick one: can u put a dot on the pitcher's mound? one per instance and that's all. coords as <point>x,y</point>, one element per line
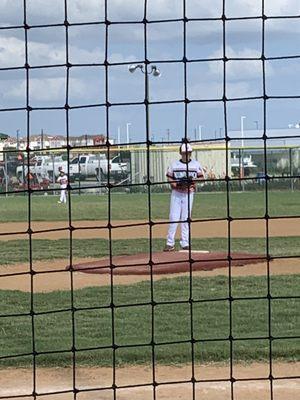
<point>167,262</point>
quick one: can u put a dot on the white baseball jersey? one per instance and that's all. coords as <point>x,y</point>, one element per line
<point>180,170</point>
<point>63,181</point>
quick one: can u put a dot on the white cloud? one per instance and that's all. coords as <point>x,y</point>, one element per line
<point>243,70</point>
<point>41,10</point>
<point>86,10</point>
<point>52,90</point>
<point>214,90</point>
<point>12,53</point>
<point>206,90</point>
<point>242,89</point>
<point>11,12</point>
<point>282,7</point>
<point>49,89</point>
<point>239,70</point>
<point>52,51</point>
<point>242,8</point>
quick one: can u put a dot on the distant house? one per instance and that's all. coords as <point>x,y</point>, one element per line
<point>45,141</point>
<point>89,140</point>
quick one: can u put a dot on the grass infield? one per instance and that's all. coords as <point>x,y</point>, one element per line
<point>135,206</point>
<point>90,324</point>
<point>91,320</point>
<point>17,251</point>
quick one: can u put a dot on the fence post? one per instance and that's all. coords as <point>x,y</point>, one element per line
<point>240,169</point>
<point>291,173</point>
<point>53,169</point>
<point>99,173</point>
<point>79,175</point>
<point>6,174</point>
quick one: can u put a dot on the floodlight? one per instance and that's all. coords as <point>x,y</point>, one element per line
<point>155,71</point>
<point>132,68</point>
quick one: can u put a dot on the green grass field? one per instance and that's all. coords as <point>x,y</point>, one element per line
<point>53,323</point>
<point>135,206</point>
<point>17,251</point>
<point>132,332</point>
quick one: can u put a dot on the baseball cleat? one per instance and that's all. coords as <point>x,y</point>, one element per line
<point>169,248</point>
<point>185,248</point>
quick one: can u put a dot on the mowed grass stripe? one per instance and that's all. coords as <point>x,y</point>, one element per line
<point>132,324</point>
<point>17,251</point>
<point>135,206</point>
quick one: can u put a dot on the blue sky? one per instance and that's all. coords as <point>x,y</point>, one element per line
<point>46,47</point>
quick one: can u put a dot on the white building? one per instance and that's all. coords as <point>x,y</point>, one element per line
<point>45,141</point>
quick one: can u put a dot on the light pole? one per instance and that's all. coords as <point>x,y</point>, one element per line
<point>18,142</point>
<point>153,71</point>
<point>200,132</point>
<point>168,135</point>
<point>127,132</point>
<point>42,138</point>
<point>119,135</point>
<point>242,129</point>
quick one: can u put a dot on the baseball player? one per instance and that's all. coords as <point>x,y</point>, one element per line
<point>182,175</point>
<point>63,181</point>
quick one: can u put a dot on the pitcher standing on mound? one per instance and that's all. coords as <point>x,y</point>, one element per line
<point>183,176</point>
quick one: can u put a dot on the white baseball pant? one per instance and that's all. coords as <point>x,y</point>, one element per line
<point>180,204</point>
<point>63,197</point>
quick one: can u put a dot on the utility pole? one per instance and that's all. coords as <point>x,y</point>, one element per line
<point>168,135</point>
<point>42,138</point>
<point>127,133</point>
<point>200,132</point>
<point>119,135</point>
<point>242,129</point>
<point>18,141</point>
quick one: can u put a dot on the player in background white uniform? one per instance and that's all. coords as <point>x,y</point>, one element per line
<point>63,181</point>
<point>182,175</point>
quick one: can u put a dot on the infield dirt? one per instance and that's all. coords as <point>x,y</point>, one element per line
<point>98,229</point>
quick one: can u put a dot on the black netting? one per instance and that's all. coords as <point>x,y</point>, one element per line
<point>227,183</point>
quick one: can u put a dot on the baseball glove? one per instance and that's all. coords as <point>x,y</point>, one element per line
<point>185,183</point>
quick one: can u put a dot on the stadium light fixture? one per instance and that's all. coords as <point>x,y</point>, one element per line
<point>133,67</point>
<point>154,70</point>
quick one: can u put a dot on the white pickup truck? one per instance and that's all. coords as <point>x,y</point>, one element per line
<point>44,167</point>
<point>51,166</point>
<point>92,165</point>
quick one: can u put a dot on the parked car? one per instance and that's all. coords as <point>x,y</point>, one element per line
<point>45,167</point>
<point>97,166</point>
